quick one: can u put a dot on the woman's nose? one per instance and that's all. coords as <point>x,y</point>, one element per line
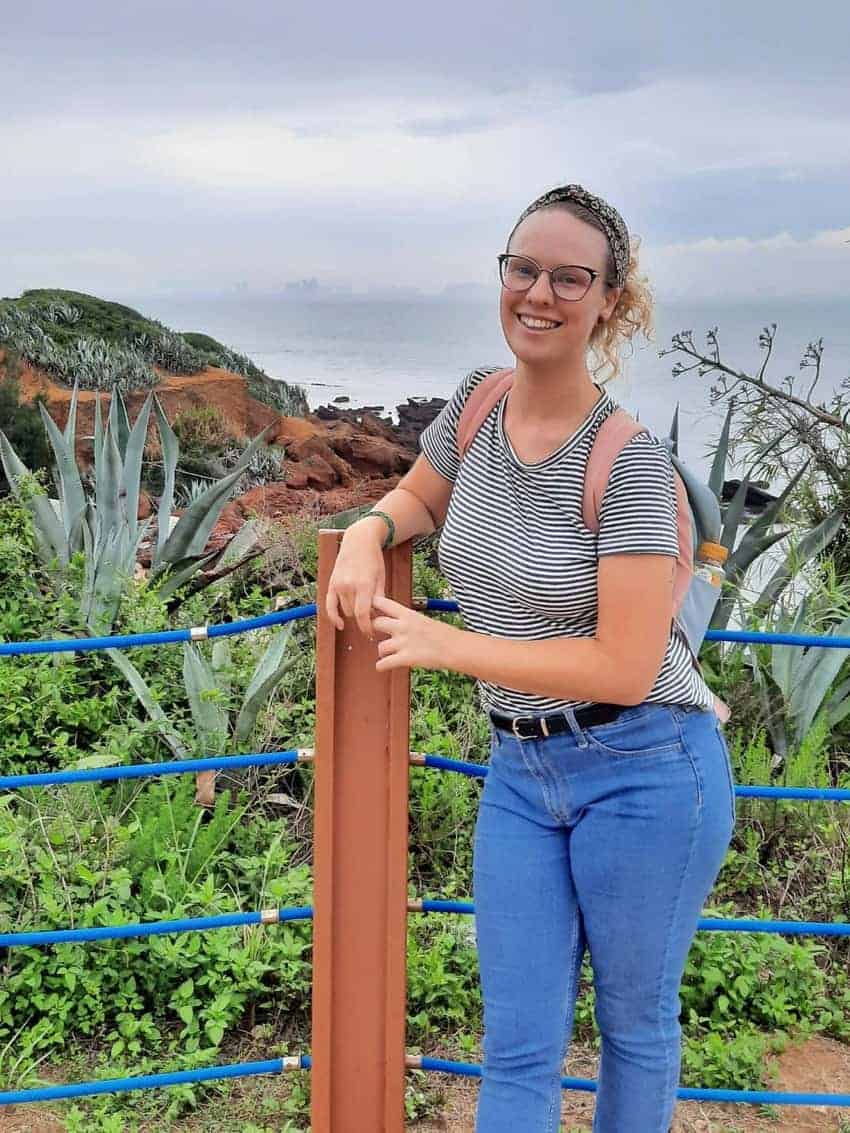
<point>541,289</point>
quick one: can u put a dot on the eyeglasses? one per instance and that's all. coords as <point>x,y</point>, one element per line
<point>519,273</point>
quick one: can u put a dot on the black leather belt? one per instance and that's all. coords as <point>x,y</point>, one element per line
<point>537,727</point>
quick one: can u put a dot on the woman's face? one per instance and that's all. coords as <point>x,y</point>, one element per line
<point>554,238</point>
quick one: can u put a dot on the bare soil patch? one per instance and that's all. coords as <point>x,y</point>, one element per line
<point>818,1065</point>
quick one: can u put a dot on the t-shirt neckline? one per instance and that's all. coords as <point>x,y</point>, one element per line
<point>567,444</point>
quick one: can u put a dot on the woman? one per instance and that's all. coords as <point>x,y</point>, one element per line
<point>609,805</point>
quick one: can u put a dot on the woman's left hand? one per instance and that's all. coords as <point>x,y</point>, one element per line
<point>413,638</point>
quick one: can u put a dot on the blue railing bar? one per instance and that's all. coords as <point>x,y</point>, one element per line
<point>294,755</point>
<point>278,617</point>
<point>443,763</point>
<point>153,928</point>
<point>828,641</point>
<point>707,924</point>
<point>305,912</point>
<point>153,1081</point>
<point>835,794</point>
<point>160,637</point>
<point>416,1062</point>
<point>143,770</point>
<point>685,1093</point>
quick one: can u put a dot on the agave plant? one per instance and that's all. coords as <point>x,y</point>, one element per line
<point>759,535</point>
<point>104,526</point>
<point>89,362</point>
<point>799,684</point>
<point>209,692</point>
<point>169,350</point>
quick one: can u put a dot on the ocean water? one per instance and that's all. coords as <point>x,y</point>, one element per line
<point>382,352</point>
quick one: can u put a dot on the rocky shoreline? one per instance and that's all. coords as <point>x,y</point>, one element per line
<point>334,458</point>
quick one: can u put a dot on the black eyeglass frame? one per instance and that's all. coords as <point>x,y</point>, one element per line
<point>505,256</point>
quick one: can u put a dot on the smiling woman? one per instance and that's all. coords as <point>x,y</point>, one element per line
<point>608,808</point>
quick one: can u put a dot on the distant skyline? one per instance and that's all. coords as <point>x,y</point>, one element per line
<point>185,148</point>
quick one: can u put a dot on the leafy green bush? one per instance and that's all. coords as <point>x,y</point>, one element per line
<point>760,978</point>
<point>22,424</point>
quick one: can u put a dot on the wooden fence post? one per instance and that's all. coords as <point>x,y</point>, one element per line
<point>361,777</point>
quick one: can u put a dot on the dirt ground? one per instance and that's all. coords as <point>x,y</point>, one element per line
<point>818,1066</point>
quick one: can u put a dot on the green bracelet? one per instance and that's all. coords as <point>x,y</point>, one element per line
<point>391,523</point>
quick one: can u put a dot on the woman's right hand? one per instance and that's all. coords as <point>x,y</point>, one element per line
<point>357,577</point>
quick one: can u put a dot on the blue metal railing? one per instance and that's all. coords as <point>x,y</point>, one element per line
<point>275,916</point>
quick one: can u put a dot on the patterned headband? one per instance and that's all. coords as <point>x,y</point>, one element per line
<point>609,218</point>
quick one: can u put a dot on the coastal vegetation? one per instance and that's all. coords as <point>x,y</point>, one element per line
<point>88,854</point>
<point>102,345</point>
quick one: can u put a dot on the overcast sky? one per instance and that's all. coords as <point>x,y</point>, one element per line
<point>155,148</point>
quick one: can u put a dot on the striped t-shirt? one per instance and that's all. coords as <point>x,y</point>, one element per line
<point>516,552</point>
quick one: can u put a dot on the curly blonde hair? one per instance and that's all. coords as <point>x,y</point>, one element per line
<point>634,310</point>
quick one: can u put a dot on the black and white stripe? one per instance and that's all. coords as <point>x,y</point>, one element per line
<point>517,555</point>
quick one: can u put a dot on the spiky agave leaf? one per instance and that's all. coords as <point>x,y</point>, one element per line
<point>49,532</point>
<point>674,432</point>
<point>170,453</point>
<point>815,674</point>
<point>111,513</point>
<point>146,698</point>
<point>181,572</point>
<point>71,424</point>
<point>269,671</point>
<point>811,545</point>
<point>192,530</point>
<point>72,497</point>
<point>119,421</point>
<point>717,475</point>
<point>209,717</point>
<point>785,659</point>
<point>132,473</point>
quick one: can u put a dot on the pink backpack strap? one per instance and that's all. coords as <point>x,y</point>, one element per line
<point>479,403</point>
<point>615,432</point>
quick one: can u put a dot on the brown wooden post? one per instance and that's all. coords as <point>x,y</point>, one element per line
<point>361,776</point>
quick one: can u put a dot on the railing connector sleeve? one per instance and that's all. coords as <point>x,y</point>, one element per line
<point>305,755</point>
<point>420,602</point>
<point>414,905</point>
<point>269,916</point>
<point>291,1062</point>
<point>199,633</point>
<point>418,758</point>
<point>413,1061</point>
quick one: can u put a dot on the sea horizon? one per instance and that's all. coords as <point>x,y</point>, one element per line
<point>382,352</point>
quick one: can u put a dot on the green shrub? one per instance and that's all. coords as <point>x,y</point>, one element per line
<point>22,425</point>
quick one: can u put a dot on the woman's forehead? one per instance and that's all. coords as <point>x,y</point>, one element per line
<point>556,235</point>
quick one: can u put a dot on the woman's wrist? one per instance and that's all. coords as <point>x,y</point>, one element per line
<point>379,527</point>
<point>389,522</point>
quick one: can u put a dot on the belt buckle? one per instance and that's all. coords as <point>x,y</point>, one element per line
<point>514,723</point>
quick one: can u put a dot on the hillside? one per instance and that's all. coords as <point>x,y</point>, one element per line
<point>71,336</point>
<point>215,399</point>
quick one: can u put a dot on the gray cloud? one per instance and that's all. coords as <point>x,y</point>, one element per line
<point>174,143</point>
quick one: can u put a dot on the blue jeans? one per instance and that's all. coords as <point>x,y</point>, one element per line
<point>608,837</point>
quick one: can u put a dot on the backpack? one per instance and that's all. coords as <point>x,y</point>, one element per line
<point>697,508</point>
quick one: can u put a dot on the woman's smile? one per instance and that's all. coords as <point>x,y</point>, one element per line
<point>536,325</point>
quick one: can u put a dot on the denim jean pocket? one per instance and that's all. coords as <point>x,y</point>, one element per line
<point>645,729</point>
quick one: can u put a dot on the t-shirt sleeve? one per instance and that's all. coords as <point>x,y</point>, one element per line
<point>439,440</point>
<point>637,514</point>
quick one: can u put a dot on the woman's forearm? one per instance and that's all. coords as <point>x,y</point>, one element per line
<point>410,515</point>
<point>564,668</point>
